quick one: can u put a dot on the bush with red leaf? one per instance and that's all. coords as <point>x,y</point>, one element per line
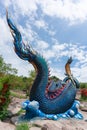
<point>84,93</point>
<point>4,96</point>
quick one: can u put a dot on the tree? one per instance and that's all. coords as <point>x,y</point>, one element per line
<point>29,81</point>
<point>4,96</point>
<point>54,78</point>
<point>32,75</point>
<point>6,68</point>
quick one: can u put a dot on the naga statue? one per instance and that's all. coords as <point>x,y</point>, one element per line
<point>48,99</point>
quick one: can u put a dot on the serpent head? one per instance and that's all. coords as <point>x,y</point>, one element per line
<point>23,51</point>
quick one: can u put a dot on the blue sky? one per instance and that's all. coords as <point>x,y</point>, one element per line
<point>57,29</point>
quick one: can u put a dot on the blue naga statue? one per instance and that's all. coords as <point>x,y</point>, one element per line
<point>48,99</point>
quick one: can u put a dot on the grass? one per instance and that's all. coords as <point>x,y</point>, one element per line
<point>83,85</point>
<point>83,99</point>
<point>21,111</point>
<point>22,126</point>
<point>14,94</point>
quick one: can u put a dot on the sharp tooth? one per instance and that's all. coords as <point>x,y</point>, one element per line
<point>59,91</point>
<point>56,94</point>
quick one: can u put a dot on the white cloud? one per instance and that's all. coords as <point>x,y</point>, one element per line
<point>57,72</point>
<point>51,32</point>
<point>24,7</point>
<point>48,54</point>
<point>4,31</point>
<point>5,38</point>
<point>73,11</point>
<point>7,3</point>
<point>27,33</point>
<point>59,47</point>
<point>7,51</point>
<point>40,23</point>
<point>77,52</point>
<point>58,51</point>
<point>80,73</point>
<point>70,10</point>
<point>23,67</point>
<point>42,44</point>
<point>83,74</point>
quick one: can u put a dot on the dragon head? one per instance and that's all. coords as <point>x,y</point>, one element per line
<point>23,51</point>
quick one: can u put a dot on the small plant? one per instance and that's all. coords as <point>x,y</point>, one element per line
<point>4,97</point>
<point>84,93</point>
<point>83,85</point>
<point>23,126</point>
<point>21,111</point>
<point>14,94</point>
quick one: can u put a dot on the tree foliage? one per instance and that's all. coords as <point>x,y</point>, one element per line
<point>54,78</point>
<point>5,71</point>
<point>4,96</point>
<point>6,68</point>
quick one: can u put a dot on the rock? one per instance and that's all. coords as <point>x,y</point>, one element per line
<point>79,129</point>
<point>10,114</point>
<point>64,128</point>
<point>78,94</point>
<point>35,128</point>
<point>15,110</point>
<point>14,120</point>
<point>83,106</point>
<point>84,109</point>
<point>15,106</point>
<point>62,124</point>
<point>6,126</point>
<point>50,126</point>
<point>38,124</point>
<point>6,120</point>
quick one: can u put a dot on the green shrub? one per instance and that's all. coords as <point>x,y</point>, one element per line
<point>14,94</point>
<point>23,126</point>
<point>83,85</point>
<point>4,97</point>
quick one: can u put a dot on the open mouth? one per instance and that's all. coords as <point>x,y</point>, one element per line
<point>55,93</point>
